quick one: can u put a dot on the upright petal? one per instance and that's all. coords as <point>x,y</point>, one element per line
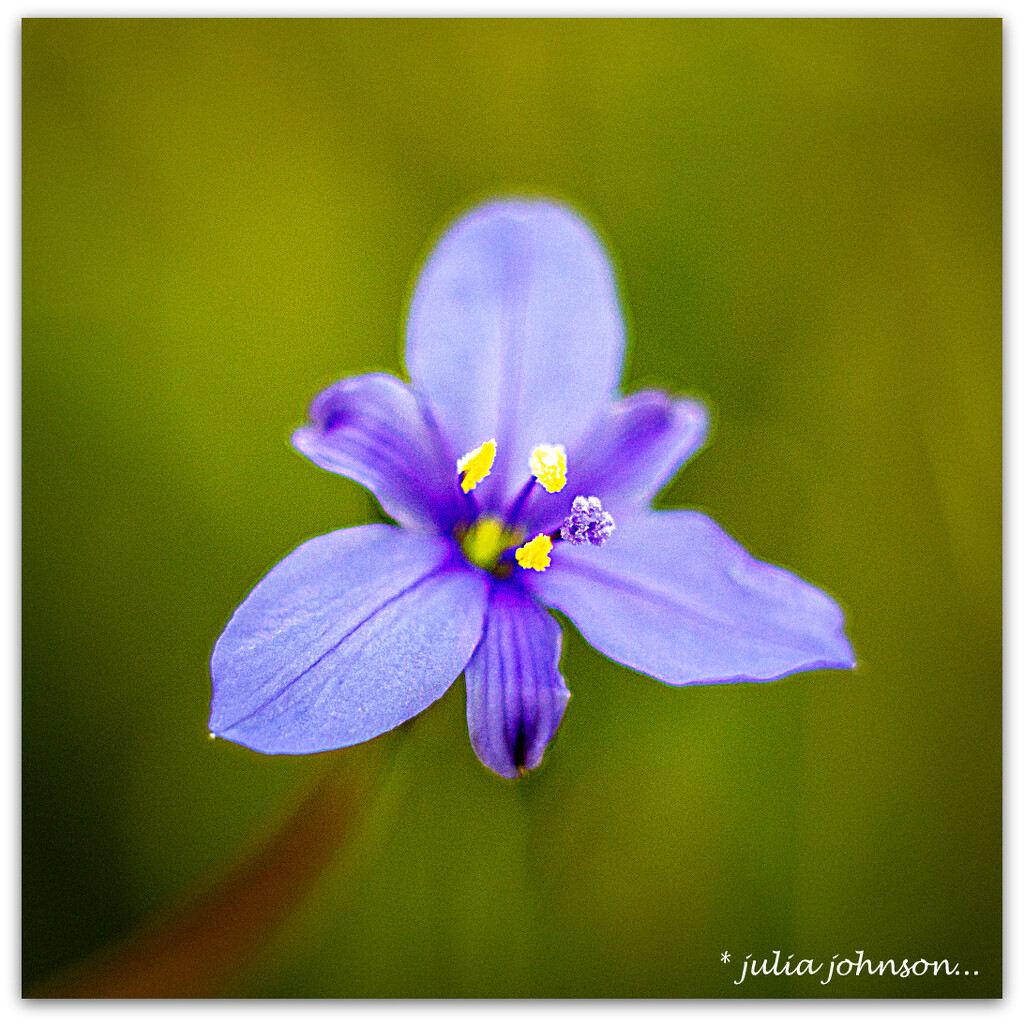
<point>347,637</point>
<point>515,333</point>
<point>633,451</point>
<point>374,430</point>
<point>516,694</point>
<point>672,595</point>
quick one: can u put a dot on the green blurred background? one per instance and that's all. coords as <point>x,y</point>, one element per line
<point>222,217</point>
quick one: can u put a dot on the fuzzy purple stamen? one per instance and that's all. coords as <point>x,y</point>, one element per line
<point>587,523</point>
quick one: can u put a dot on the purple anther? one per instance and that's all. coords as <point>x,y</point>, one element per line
<point>587,523</point>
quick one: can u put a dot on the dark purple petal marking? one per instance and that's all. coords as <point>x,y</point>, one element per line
<point>374,430</point>
<point>587,523</point>
<point>515,692</point>
<point>674,596</point>
<point>347,637</point>
<point>632,452</point>
<point>515,333</point>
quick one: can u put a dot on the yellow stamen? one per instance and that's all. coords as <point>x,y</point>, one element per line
<point>534,553</point>
<point>547,464</point>
<point>475,465</point>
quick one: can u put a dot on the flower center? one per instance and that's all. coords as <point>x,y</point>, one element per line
<point>486,541</point>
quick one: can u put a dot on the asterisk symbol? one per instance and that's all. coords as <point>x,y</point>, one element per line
<point>725,957</point>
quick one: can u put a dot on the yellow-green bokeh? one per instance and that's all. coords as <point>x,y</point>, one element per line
<point>222,217</point>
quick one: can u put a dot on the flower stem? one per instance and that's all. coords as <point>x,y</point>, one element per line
<point>194,950</point>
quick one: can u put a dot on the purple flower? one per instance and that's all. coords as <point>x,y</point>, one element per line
<point>520,480</point>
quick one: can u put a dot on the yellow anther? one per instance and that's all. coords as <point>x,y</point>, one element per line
<point>547,464</point>
<point>534,553</point>
<point>475,465</point>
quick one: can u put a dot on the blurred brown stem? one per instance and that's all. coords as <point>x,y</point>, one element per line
<point>195,950</point>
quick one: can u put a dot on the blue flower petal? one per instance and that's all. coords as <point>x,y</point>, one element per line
<point>672,595</point>
<point>515,334</point>
<point>374,430</point>
<point>516,694</point>
<point>633,451</point>
<point>347,637</point>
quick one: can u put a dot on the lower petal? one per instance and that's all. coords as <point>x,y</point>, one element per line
<point>350,635</point>
<point>672,595</point>
<point>516,694</point>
